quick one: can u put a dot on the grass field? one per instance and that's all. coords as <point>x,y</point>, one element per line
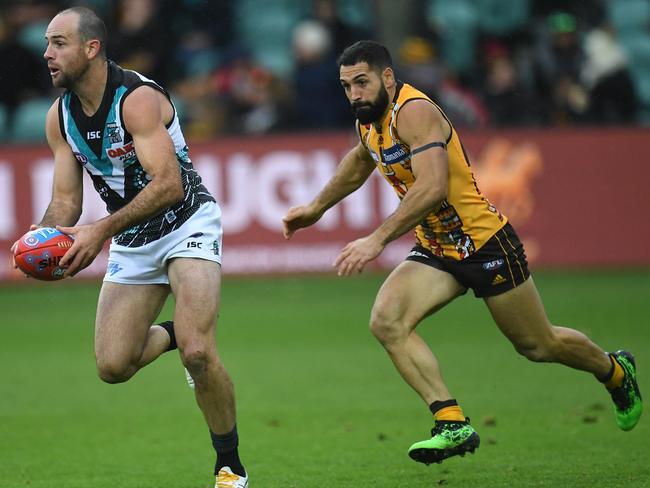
<point>319,403</point>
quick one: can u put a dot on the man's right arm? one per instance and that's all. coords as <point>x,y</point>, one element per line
<point>354,169</point>
<point>67,187</point>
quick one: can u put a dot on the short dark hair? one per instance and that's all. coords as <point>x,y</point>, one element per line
<point>371,52</point>
<point>90,26</point>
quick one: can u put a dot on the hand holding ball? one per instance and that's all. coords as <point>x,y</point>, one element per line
<point>38,252</point>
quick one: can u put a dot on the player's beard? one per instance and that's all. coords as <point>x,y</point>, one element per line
<point>368,112</point>
<point>69,80</point>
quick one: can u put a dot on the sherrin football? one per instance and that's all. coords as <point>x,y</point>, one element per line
<point>39,251</point>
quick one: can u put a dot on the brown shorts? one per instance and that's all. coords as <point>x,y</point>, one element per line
<point>498,266</point>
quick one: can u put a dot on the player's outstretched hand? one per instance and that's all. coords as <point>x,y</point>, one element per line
<point>297,218</point>
<point>13,250</point>
<point>357,254</point>
<point>88,242</point>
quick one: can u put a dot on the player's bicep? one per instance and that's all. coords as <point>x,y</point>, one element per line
<point>142,116</point>
<point>425,130</point>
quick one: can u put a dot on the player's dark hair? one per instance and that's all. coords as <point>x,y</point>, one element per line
<point>371,52</point>
<point>90,26</point>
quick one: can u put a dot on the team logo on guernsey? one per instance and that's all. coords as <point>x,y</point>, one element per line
<point>113,132</point>
<point>113,268</point>
<point>81,158</point>
<point>395,154</point>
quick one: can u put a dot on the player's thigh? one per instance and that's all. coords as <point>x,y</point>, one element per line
<point>196,285</point>
<point>520,315</point>
<point>124,315</point>
<point>412,291</point>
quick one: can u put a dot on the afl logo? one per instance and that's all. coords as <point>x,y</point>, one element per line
<point>30,241</point>
<point>497,263</point>
<point>81,158</point>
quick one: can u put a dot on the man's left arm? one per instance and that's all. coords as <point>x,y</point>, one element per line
<point>142,115</point>
<point>422,126</point>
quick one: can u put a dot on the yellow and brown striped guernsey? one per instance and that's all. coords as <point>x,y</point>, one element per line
<point>466,219</point>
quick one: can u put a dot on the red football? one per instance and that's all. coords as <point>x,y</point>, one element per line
<point>39,251</point>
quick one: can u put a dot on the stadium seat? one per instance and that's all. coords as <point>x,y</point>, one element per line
<point>629,15</point>
<point>29,121</point>
<point>3,124</point>
<point>31,36</point>
<point>638,50</point>
<point>268,36</point>
<point>500,17</point>
<point>457,22</point>
<point>356,13</point>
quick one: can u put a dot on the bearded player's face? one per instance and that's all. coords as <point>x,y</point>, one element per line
<point>65,53</point>
<point>366,92</point>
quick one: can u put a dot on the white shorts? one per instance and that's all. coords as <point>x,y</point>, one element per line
<point>199,237</point>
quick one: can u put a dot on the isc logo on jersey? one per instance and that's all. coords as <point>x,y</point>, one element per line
<point>94,134</point>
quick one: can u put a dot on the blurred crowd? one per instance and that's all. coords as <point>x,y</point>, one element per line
<point>261,66</point>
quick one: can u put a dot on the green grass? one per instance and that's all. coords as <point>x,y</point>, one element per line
<point>319,403</point>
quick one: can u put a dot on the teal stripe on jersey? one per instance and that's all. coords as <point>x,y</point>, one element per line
<point>102,165</point>
<point>111,118</point>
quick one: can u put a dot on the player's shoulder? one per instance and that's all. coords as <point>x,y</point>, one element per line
<point>415,108</point>
<point>418,112</point>
<point>52,120</point>
<point>140,102</point>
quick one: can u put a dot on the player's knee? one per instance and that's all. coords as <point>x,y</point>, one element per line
<point>196,359</point>
<point>114,372</point>
<point>385,327</point>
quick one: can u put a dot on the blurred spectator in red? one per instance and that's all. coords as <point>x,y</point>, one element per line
<point>239,97</point>
<point>251,94</point>
<point>508,99</point>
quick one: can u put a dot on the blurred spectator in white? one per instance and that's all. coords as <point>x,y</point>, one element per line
<point>605,74</point>
<point>318,99</point>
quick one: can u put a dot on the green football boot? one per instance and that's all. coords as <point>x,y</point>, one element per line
<point>627,397</point>
<point>447,439</point>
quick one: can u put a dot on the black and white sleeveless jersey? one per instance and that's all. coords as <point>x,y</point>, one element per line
<point>103,146</point>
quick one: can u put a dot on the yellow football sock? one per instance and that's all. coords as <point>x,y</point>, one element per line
<point>452,413</point>
<point>617,376</point>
